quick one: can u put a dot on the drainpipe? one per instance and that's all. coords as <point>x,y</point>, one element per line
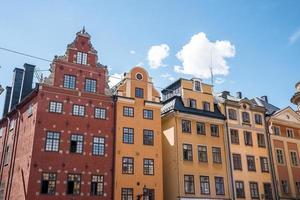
<point>4,148</point>
<point>114,145</point>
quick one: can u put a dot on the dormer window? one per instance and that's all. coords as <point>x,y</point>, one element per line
<point>193,103</point>
<point>197,85</point>
<point>81,58</point>
<point>206,106</point>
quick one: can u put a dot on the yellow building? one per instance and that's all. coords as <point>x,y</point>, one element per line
<point>194,153</point>
<point>248,147</point>
<point>138,146</point>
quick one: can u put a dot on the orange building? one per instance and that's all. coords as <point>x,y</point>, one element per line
<point>138,157</point>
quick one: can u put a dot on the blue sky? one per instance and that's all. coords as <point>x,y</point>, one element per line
<point>259,40</point>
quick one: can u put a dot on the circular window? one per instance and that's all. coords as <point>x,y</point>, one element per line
<point>139,76</point>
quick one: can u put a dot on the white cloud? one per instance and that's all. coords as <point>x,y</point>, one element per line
<point>199,54</point>
<point>219,80</point>
<point>168,76</point>
<point>157,54</point>
<point>132,51</point>
<point>140,64</point>
<point>114,79</point>
<point>295,36</point>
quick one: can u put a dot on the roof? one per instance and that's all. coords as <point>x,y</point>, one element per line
<point>271,109</point>
<point>175,103</point>
<point>173,85</point>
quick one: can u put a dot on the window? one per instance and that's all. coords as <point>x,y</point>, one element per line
<point>148,114</point>
<point>100,113</point>
<point>261,140</point>
<point>90,85</point>
<point>127,194</point>
<point>148,166</point>
<point>74,181</point>
<point>128,135</point>
<point>298,187</point>
<point>258,119</point>
<point>197,85</point>
<point>268,191</point>
<point>148,137</point>
<point>280,156</point>
<point>52,141</point>
<point>248,138</point>
<point>139,92</point>
<point>232,114</point>
<point>234,136</point>
<point>97,185</point>
<point>214,129</point>
<point>276,130</point>
<point>30,110</point>
<point>202,153</point>
<point>78,110</point>
<point>216,152</point>
<point>128,111</point>
<point>285,186</point>
<point>239,189</point>
<point>148,194</point>
<point>76,143</point>
<point>251,163</point>
<point>7,154</point>
<point>245,117</point>
<point>55,107</point>
<point>187,152</point>
<point>81,58</point>
<point>99,146</point>
<point>127,165</point>
<point>294,158</point>
<point>204,185</point>
<point>193,103</point>
<point>237,161</point>
<point>189,187</point>
<point>219,183</point>
<point>1,134</point>
<point>69,81</point>
<point>200,128</point>
<point>254,190</point>
<point>290,133</point>
<point>206,106</point>
<point>264,164</point>
<point>48,183</point>
<point>186,126</point>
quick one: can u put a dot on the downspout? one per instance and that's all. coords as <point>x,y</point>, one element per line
<point>177,154</point>
<point>4,148</point>
<point>114,145</point>
<point>229,156</point>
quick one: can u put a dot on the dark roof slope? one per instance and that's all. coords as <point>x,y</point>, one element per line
<point>271,109</point>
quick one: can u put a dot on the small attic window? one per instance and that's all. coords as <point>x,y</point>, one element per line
<point>81,58</point>
<point>197,85</point>
<point>139,76</point>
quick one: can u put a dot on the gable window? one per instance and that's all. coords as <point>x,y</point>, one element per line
<point>197,85</point>
<point>276,130</point>
<point>48,183</point>
<point>294,158</point>
<point>128,135</point>
<point>214,130</point>
<point>100,113</point>
<point>285,186</point>
<point>69,81</point>
<point>90,85</point>
<point>237,161</point>
<point>187,152</point>
<point>219,184</point>
<point>73,184</point>
<point>186,126</point>
<point>189,187</point>
<point>148,137</point>
<point>258,119</point>
<point>216,152</point>
<point>52,141</point>
<point>127,165</point>
<point>246,117</point>
<point>264,164</point>
<point>78,110</point>
<point>127,194</point>
<point>200,128</point>
<point>254,190</point>
<point>232,114</point>
<point>234,136</point>
<point>290,133</point>
<point>251,163</point>
<point>239,189</point>
<point>193,103</point>
<point>97,185</point>
<point>202,153</point>
<point>76,143</point>
<point>204,185</point>
<point>148,114</point>
<point>248,138</point>
<point>261,140</point>
<point>128,111</point>
<point>148,166</point>
<point>139,92</point>
<point>98,146</point>
<point>81,58</point>
<point>280,156</point>
<point>206,106</point>
<point>55,107</point>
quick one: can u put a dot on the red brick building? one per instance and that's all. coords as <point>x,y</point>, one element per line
<point>57,142</point>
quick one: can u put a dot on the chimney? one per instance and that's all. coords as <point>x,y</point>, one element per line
<point>225,94</point>
<point>7,100</point>
<point>239,95</point>
<point>27,80</point>
<point>16,87</point>
<point>265,98</point>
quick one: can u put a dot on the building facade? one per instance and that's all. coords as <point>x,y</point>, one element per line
<point>194,150</point>
<point>138,158</point>
<point>249,153</point>
<point>57,143</point>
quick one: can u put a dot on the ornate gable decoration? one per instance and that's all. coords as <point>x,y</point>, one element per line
<point>287,114</point>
